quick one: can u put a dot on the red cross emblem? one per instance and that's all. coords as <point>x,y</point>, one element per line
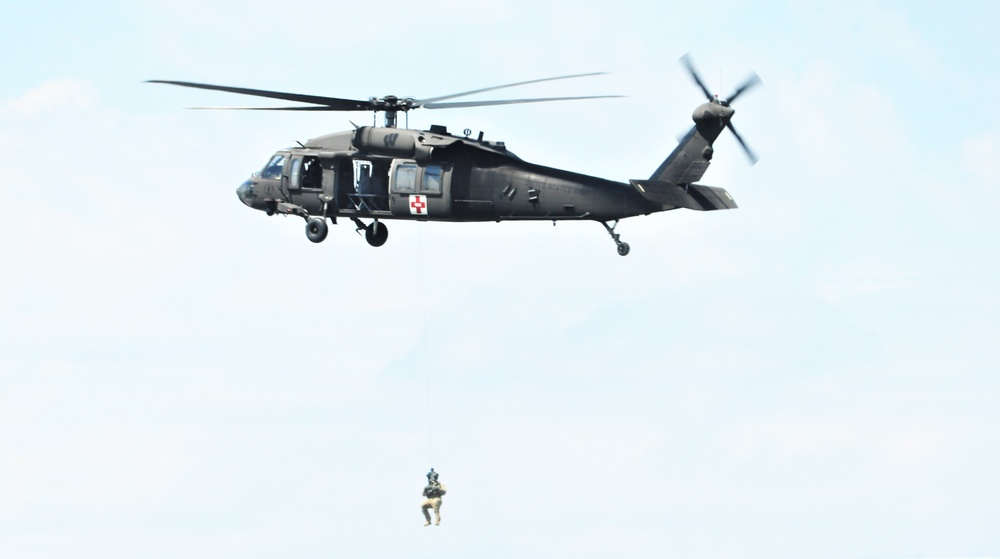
<point>418,205</point>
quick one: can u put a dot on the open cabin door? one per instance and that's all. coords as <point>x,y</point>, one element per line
<point>420,192</point>
<point>328,185</point>
<point>363,186</point>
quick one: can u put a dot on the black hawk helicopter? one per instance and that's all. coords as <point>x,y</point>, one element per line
<point>380,173</point>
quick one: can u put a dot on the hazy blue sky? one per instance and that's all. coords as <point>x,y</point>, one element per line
<point>814,374</point>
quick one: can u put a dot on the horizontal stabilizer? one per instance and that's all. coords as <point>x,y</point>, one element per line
<point>692,196</point>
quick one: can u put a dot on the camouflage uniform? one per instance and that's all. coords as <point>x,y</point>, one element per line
<point>433,492</point>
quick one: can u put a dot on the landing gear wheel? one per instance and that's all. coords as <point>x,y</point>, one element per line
<point>270,208</point>
<point>376,234</point>
<point>316,229</point>
<point>622,247</point>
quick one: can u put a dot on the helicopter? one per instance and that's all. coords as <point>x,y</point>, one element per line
<point>379,173</point>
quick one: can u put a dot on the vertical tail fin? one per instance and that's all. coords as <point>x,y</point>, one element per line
<point>690,159</point>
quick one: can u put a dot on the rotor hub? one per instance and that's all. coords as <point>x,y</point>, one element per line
<point>713,112</point>
<point>393,103</point>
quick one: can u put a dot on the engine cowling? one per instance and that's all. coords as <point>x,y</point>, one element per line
<point>403,144</point>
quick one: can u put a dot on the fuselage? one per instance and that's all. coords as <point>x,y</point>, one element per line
<point>389,173</point>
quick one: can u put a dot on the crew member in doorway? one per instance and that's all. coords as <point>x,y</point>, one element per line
<point>313,173</point>
<point>433,493</point>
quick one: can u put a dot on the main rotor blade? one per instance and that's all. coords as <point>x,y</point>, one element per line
<point>425,102</point>
<point>306,108</point>
<point>749,152</point>
<point>332,103</point>
<point>750,82</point>
<point>686,60</point>
<point>462,104</point>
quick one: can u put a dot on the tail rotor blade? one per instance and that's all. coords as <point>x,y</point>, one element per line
<point>749,83</point>
<point>746,148</point>
<point>686,60</point>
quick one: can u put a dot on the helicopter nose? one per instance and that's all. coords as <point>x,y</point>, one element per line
<point>245,192</point>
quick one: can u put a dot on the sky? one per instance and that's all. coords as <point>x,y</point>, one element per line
<point>814,374</point>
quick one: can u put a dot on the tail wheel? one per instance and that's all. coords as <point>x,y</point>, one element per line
<point>376,234</point>
<point>622,247</point>
<point>316,229</point>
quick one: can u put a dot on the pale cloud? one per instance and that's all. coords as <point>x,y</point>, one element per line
<point>919,445</point>
<point>962,185</point>
<point>902,41</point>
<point>19,473</point>
<point>865,275</point>
<point>782,438</point>
<point>791,437</point>
<point>981,158</point>
<point>118,463</point>
<point>51,95</point>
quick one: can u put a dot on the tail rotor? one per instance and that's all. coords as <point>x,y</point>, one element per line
<point>747,84</point>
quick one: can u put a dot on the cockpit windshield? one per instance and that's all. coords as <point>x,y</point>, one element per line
<point>273,168</point>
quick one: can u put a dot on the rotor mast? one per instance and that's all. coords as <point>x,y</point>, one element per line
<point>391,105</point>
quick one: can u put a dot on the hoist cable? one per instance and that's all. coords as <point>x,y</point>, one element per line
<point>425,337</point>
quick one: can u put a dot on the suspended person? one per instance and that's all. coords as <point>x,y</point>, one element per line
<point>433,493</point>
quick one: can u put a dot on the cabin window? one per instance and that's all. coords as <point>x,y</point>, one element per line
<point>406,178</point>
<point>273,168</point>
<point>432,179</point>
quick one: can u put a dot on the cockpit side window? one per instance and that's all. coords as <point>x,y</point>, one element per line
<point>273,168</point>
<point>293,178</point>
